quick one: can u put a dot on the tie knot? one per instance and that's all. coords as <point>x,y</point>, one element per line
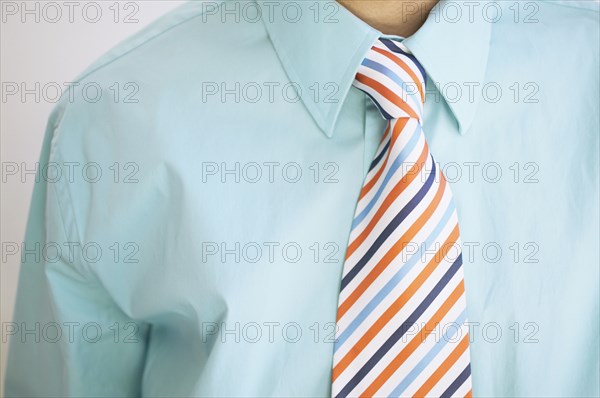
<point>394,80</point>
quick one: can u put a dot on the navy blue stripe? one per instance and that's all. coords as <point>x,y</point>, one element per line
<point>401,216</point>
<point>462,377</point>
<point>393,47</point>
<point>401,331</point>
<point>378,158</point>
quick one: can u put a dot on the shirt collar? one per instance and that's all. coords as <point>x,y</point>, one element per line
<point>455,53</point>
<point>324,54</point>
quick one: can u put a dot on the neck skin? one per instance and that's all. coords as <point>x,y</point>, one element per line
<point>391,17</point>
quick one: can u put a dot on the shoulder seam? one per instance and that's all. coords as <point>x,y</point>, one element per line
<point>560,4</point>
<point>149,38</point>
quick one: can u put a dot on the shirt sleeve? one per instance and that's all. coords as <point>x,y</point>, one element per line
<point>67,337</point>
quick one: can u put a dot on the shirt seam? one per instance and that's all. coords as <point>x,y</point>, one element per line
<point>572,7</point>
<point>146,40</point>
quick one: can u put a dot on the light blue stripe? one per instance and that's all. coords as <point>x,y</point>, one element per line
<point>435,350</point>
<point>393,282</point>
<point>369,63</point>
<point>399,160</point>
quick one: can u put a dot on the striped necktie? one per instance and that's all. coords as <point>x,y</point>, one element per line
<point>401,322</point>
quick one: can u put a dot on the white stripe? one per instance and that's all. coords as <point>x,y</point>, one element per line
<point>413,99</point>
<point>389,242</point>
<point>406,310</point>
<point>395,350</point>
<point>452,374</point>
<point>400,176</point>
<point>423,349</point>
<point>437,361</point>
<point>402,138</point>
<point>406,59</point>
<point>421,235</point>
<point>465,387</point>
<point>397,291</point>
<point>391,108</point>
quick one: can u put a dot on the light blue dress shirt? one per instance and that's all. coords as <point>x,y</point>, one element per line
<point>188,230</point>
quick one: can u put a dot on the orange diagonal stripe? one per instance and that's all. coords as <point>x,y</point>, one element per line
<point>415,342</point>
<point>395,307</point>
<point>394,193</point>
<point>444,367</point>
<point>387,93</point>
<point>393,251</point>
<point>406,68</point>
